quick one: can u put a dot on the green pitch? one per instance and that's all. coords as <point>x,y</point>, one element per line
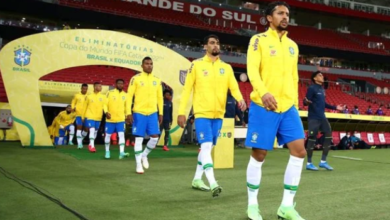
<point>110,189</point>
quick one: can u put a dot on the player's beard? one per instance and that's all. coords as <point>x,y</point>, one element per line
<point>215,53</point>
<point>280,28</point>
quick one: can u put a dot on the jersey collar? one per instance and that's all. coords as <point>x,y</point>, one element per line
<point>274,33</point>
<point>207,59</point>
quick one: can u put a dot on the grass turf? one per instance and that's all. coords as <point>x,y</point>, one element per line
<point>110,189</point>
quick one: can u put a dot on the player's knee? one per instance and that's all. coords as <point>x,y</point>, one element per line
<point>259,155</point>
<point>301,153</point>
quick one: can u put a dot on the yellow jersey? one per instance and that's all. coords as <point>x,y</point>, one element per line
<point>94,106</point>
<point>116,105</point>
<point>148,93</point>
<point>78,103</point>
<point>210,82</point>
<point>272,65</point>
<point>65,119</point>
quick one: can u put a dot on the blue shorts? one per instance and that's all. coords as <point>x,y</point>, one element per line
<point>62,132</point>
<point>265,125</point>
<point>207,130</point>
<point>112,127</point>
<point>92,124</point>
<point>79,121</point>
<point>145,124</point>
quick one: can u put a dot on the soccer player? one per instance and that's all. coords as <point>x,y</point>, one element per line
<point>115,110</point>
<point>315,98</point>
<point>167,119</point>
<point>147,112</point>
<point>210,78</point>
<point>93,114</point>
<point>272,65</point>
<point>78,105</point>
<point>65,121</point>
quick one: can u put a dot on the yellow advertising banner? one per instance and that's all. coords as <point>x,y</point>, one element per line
<point>25,60</point>
<point>351,116</point>
<point>62,92</point>
<point>223,152</point>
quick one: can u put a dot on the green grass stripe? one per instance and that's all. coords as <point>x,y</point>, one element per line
<point>138,152</point>
<point>29,127</point>
<point>289,187</point>
<point>199,163</point>
<point>252,186</point>
<point>209,165</point>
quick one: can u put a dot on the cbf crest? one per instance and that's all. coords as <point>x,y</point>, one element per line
<point>182,76</point>
<point>222,71</point>
<point>291,49</point>
<point>22,56</point>
<point>254,137</point>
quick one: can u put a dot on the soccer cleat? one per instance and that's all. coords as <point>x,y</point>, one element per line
<point>311,167</point>
<point>288,213</point>
<point>127,143</point>
<point>326,166</point>
<point>254,212</point>
<point>145,162</point>
<point>107,156</point>
<point>165,148</point>
<point>71,143</point>
<point>79,147</point>
<point>139,169</point>
<point>216,189</point>
<point>199,184</point>
<point>91,149</point>
<point>123,155</point>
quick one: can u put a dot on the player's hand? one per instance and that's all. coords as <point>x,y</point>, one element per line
<point>160,119</point>
<point>181,120</point>
<point>61,126</point>
<point>307,101</point>
<point>340,107</point>
<point>243,124</point>
<point>130,119</point>
<point>269,102</point>
<point>242,105</point>
<point>108,115</point>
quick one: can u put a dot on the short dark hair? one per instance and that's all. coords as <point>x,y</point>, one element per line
<point>206,39</point>
<point>96,83</point>
<point>167,91</point>
<point>68,106</point>
<point>271,7</point>
<point>146,58</point>
<point>314,74</point>
<point>84,85</point>
<point>119,80</point>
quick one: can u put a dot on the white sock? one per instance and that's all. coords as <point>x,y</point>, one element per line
<point>253,178</point>
<point>199,168</point>
<point>121,142</point>
<point>71,134</point>
<point>84,134</point>
<point>323,161</point>
<point>95,133</point>
<point>291,180</point>
<point>138,149</point>
<point>207,162</point>
<point>107,141</point>
<point>308,163</point>
<point>150,146</point>
<point>79,138</point>
<point>92,137</point>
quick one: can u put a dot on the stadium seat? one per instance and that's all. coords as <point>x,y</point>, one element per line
<point>370,139</point>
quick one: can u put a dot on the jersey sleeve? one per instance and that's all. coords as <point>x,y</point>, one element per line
<point>310,93</point>
<point>253,66</point>
<point>160,99</point>
<point>188,85</point>
<point>233,86</point>
<point>74,101</point>
<point>105,106</point>
<point>296,81</point>
<point>130,95</point>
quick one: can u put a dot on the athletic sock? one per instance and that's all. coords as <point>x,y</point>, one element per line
<point>253,178</point>
<point>138,149</point>
<point>150,146</point>
<point>92,137</point>
<point>291,180</point>
<point>121,142</point>
<point>199,168</point>
<point>79,138</point>
<point>107,141</point>
<point>207,162</point>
